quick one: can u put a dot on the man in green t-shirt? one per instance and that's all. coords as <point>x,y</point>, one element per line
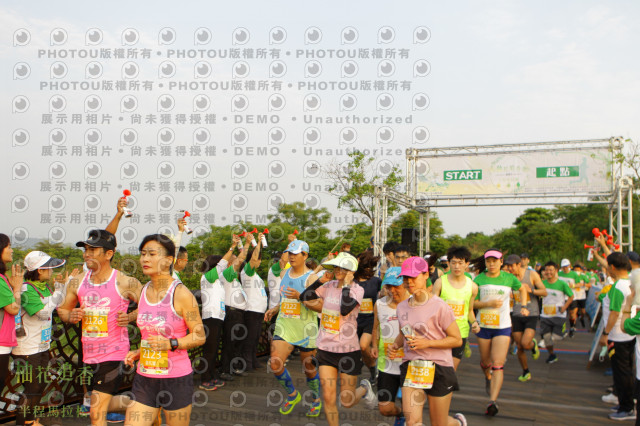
<point>553,317</point>
<point>575,283</point>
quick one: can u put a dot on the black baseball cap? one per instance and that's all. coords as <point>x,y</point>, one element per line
<point>633,256</point>
<point>99,238</point>
<point>512,259</point>
<point>524,256</point>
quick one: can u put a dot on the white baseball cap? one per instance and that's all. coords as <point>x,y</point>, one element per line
<point>41,260</point>
<point>565,262</point>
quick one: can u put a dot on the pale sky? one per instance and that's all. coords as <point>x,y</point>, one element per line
<point>500,72</point>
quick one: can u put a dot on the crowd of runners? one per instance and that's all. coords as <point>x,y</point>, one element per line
<point>406,318</point>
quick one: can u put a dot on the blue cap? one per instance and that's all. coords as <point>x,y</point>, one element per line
<point>392,277</point>
<point>297,246</point>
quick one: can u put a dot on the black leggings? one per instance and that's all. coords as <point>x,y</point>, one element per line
<point>253,321</point>
<point>235,332</point>
<point>4,369</point>
<point>213,326</point>
<point>33,389</point>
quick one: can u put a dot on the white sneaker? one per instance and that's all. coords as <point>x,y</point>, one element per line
<point>610,399</point>
<point>541,344</point>
<point>370,398</point>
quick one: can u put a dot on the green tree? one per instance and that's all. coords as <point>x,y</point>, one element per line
<point>353,182</point>
<point>300,216</point>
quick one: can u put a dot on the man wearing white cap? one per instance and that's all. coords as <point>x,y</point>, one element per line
<point>576,284</point>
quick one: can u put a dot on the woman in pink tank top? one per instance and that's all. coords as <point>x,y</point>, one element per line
<point>170,324</point>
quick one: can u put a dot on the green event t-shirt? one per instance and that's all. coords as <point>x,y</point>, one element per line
<point>6,293</point>
<point>31,300</point>
<point>553,302</point>
<point>496,288</point>
<point>632,325</point>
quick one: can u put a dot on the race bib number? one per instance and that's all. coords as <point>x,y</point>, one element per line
<point>290,308</point>
<point>490,318</point>
<point>549,309</point>
<point>367,306</point>
<point>399,352</point>
<point>94,322</point>
<point>420,374</point>
<point>330,321</point>
<point>458,308</point>
<point>153,362</point>
<point>45,335</point>
<point>516,296</point>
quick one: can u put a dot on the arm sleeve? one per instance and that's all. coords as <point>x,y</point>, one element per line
<point>249,270</point>
<point>211,275</point>
<point>31,301</point>
<point>276,269</point>
<point>55,300</point>
<point>632,325</point>
<point>6,295</point>
<point>351,298</point>
<point>309,293</point>
<point>616,299</point>
<point>515,283</point>
<point>230,274</point>
<point>567,290</point>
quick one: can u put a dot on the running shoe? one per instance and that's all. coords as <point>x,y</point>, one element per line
<point>461,418</point>
<point>400,420</point>
<point>623,415</point>
<point>290,404</point>
<point>552,358</point>
<point>513,350</point>
<point>208,386</point>
<point>314,409</point>
<point>535,351</point>
<point>370,399</point>
<point>615,408</point>
<point>467,350</point>
<point>541,344</point>
<point>492,409</point>
<point>572,330</point>
<point>610,399</point>
<point>83,410</point>
<point>525,377</point>
<point>115,418</point>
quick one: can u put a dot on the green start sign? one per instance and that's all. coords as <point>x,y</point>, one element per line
<point>557,172</point>
<point>462,175</point>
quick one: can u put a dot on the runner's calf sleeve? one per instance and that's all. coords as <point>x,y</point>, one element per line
<point>314,385</point>
<point>286,382</point>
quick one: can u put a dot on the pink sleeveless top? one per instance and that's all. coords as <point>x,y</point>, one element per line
<point>8,329</point>
<point>102,338</point>
<point>162,318</point>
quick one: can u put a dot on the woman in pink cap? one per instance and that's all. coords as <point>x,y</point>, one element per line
<point>339,354</point>
<point>494,291</point>
<point>428,333</point>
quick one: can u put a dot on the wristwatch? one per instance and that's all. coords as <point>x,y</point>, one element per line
<point>174,344</point>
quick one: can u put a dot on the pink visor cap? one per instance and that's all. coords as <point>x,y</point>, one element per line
<point>493,253</point>
<point>414,266</point>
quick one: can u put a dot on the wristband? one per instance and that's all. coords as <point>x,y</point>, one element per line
<point>604,333</point>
